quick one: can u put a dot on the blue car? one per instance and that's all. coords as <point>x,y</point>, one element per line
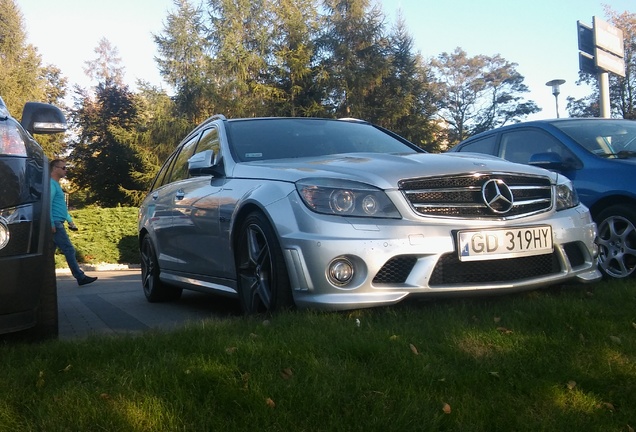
<point>598,155</point>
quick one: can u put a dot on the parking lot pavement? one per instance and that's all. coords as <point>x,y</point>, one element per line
<point>115,304</point>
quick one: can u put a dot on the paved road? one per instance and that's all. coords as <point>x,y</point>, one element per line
<point>115,304</point>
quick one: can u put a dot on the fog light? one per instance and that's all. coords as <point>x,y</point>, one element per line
<point>4,233</point>
<point>340,271</point>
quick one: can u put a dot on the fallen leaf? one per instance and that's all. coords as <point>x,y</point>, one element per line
<point>608,405</point>
<point>571,385</point>
<point>446,408</point>
<point>67,368</point>
<point>231,350</point>
<point>629,428</point>
<point>270,403</point>
<point>413,349</point>
<point>394,337</point>
<point>504,330</point>
<point>104,396</point>
<point>495,374</point>
<point>634,325</point>
<point>615,339</point>
<point>497,319</point>
<point>286,373</point>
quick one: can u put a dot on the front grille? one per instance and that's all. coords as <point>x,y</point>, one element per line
<point>451,271</point>
<point>396,270</point>
<point>462,197</point>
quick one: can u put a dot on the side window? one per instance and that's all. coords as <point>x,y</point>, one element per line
<point>180,170</point>
<point>209,141</point>
<point>484,145</point>
<point>160,179</point>
<point>518,146</point>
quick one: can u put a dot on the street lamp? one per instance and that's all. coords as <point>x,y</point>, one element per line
<point>555,83</point>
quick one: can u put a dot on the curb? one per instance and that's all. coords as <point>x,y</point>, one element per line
<point>100,267</point>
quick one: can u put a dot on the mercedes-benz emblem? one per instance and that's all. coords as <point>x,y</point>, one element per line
<point>497,196</point>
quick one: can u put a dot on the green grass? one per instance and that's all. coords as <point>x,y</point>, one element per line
<point>562,359</point>
<point>106,235</point>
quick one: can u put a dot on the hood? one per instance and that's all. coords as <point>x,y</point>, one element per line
<point>380,169</point>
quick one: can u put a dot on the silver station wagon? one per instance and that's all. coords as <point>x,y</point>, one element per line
<point>343,214</point>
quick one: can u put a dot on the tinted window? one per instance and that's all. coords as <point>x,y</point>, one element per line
<point>180,170</point>
<point>263,139</point>
<point>161,175</point>
<point>209,141</point>
<point>482,145</point>
<point>518,146</point>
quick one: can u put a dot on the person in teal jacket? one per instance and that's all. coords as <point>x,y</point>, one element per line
<point>59,215</point>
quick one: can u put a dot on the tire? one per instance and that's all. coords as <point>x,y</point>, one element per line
<point>617,241</point>
<point>262,278</point>
<point>154,290</point>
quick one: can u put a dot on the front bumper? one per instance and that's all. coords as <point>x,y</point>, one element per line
<point>396,259</point>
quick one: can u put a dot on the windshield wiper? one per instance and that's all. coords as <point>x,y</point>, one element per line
<point>623,154</point>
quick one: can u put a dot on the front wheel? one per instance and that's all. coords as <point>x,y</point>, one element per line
<point>263,282</point>
<point>154,289</point>
<point>617,241</point>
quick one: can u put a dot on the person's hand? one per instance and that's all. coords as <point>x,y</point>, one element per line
<point>72,226</point>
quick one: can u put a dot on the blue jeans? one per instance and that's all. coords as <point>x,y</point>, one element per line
<point>64,243</point>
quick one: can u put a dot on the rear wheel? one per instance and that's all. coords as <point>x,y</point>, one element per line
<point>617,241</point>
<point>263,283</point>
<point>154,289</point>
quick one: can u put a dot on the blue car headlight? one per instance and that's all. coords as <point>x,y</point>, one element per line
<point>346,198</point>
<point>566,196</point>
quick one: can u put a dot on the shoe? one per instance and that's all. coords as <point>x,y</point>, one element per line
<point>86,280</point>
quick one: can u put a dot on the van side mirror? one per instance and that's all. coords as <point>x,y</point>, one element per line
<point>42,118</point>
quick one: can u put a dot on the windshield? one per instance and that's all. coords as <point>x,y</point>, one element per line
<point>282,138</point>
<point>605,138</point>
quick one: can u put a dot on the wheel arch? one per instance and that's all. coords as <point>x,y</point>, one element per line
<point>612,200</point>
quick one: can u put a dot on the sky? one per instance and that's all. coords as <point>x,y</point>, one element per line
<point>540,36</point>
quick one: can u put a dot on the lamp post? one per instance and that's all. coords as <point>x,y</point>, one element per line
<point>555,83</point>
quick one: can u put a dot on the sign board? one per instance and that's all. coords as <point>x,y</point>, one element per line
<point>601,47</point>
<point>609,62</point>
<point>608,38</point>
<point>586,38</point>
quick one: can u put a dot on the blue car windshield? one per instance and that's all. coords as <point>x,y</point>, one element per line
<point>284,138</point>
<point>605,138</point>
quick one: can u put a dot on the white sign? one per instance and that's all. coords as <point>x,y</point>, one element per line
<point>608,38</point>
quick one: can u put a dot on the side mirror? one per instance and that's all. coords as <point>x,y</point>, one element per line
<point>550,161</point>
<point>42,118</point>
<point>204,163</point>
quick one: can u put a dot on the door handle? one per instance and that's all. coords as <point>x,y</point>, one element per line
<point>179,195</point>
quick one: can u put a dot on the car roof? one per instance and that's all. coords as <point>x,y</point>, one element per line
<point>542,124</point>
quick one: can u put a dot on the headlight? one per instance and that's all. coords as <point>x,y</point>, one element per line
<point>566,195</point>
<point>345,198</point>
